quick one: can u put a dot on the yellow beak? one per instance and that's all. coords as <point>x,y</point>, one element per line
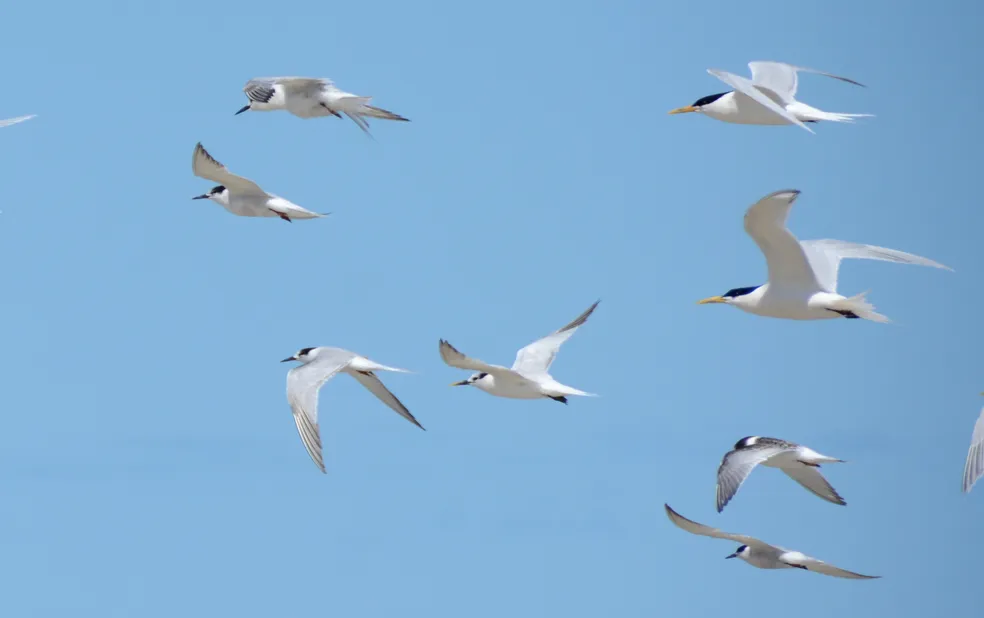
<point>683,110</point>
<point>712,300</point>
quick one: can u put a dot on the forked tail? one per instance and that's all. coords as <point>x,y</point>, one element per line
<point>857,305</point>
<point>837,117</point>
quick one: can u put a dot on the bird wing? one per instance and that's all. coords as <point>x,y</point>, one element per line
<point>454,358</point>
<point>974,468</point>
<point>799,559</point>
<point>810,478</point>
<point>536,358</point>
<point>765,222</point>
<point>749,89</point>
<point>825,257</point>
<point>10,121</point>
<point>694,528</point>
<point>205,166</point>
<point>372,382</point>
<point>260,90</point>
<point>782,78</point>
<point>303,384</point>
<point>737,465</point>
<point>296,85</point>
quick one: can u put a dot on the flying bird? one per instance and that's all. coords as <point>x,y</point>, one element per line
<point>974,467</point>
<point>798,462</point>
<point>803,274</point>
<point>10,121</point>
<point>311,97</point>
<point>769,98</point>
<point>318,365</point>
<point>762,555</point>
<point>241,196</point>
<point>529,377</point>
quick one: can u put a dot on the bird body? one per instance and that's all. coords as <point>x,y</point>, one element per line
<point>242,196</point>
<point>320,365</point>
<point>529,376</point>
<point>311,97</point>
<point>768,98</point>
<point>802,281</point>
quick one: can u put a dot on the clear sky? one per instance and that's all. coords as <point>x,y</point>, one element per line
<point>148,460</point>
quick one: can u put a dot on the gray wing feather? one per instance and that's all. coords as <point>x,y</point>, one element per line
<point>810,478</point>
<point>695,528</point>
<point>303,385</point>
<point>738,464</point>
<point>375,386</point>
<point>974,467</point>
<point>537,357</point>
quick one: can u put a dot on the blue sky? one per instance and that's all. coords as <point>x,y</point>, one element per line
<point>147,455</point>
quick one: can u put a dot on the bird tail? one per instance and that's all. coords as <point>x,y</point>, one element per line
<point>860,307</point>
<point>816,114</point>
<point>563,389</point>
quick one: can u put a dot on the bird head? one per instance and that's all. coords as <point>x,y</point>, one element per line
<point>472,379</point>
<point>735,296</point>
<point>218,194</point>
<point>741,552</point>
<point>699,105</point>
<point>304,355</point>
<point>746,442</point>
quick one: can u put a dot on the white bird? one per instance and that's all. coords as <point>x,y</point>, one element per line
<point>529,377</point>
<point>803,274</point>
<point>10,121</point>
<point>320,365</point>
<point>769,98</point>
<point>311,97</point>
<point>762,555</point>
<point>798,462</point>
<point>241,196</point>
<point>974,467</point>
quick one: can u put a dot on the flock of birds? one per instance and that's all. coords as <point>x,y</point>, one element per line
<point>802,285</point>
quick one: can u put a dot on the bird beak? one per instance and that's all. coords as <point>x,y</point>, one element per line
<point>712,300</point>
<point>462,383</point>
<point>203,196</point>
<point>731,556</point>
<point>287,360</point>
<point>245,109</point>
<point>684,110</point>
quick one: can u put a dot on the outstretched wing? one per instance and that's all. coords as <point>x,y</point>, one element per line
<point>303,384</point>
<point>810,478</point>
<point>825,257</point>
<point>797,559</point>
<point>749,89</point>
<point>765,222</point>
<point>974,468</point>
<point>737,465</point>
<point>205,166</point>
<point>306,85</point>
<point>454,358</point>
<point>10,121</point>
<point>694,528</point>
<point>782,78</point>
<point>536,358</point>
<point>375,386</point>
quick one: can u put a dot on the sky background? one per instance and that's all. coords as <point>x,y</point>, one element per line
<point>148,462</point>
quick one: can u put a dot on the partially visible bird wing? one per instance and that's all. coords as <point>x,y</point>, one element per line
<point>454,358</point>
<point>974,468</point>
<point>536,358</point>
<point>737,465</point>
<point>798,559</point>
<point>303,384</point>
<point>810,478</point>
<point>10,121</point>
<point>765,222</point>
<point>782,78</point>
<point>695,528</point>
<point>205,166</point>
<point>825,257</point>
<point>306,85</point>
<point>749,89</point>
<point>372,382</point>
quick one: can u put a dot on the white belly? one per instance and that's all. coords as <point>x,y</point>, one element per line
<point>794,305</point>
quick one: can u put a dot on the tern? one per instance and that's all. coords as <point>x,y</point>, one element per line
<point>529,377</point>
<point>762,555</point>
<point>974,467</point>
<point>241,196</point>
<point>320,365</point>
<point>798,462</point>
<point>311,97</point>
<point>803,274</point>
<point>769,98</point>
<point>10,121</point>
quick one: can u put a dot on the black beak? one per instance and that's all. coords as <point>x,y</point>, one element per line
<point>287,360</point>
<point>245,109</point>
<point>731,556</point>
<point>203,196</point>
<point>462,383</point>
